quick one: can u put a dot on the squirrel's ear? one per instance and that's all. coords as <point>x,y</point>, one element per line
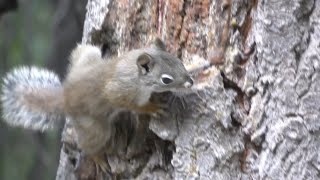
<point>158,44</point>
<point>145,63</point>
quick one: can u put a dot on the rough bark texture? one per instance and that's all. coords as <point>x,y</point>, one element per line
<point>253,116</point>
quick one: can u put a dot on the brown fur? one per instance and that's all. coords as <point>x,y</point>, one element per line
<point>97,89</point>
<point>93,94</point>
<point>51,100</point>
<point>94,87</point>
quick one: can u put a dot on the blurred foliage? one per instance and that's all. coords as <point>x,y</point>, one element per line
<point>25,39</point>
<point>25,34</point>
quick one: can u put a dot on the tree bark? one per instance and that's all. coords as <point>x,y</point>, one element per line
<point>254,115</point>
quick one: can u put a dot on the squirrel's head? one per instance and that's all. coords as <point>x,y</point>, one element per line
<point>161,70</point>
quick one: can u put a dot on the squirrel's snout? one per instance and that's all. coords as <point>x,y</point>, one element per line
<point>188,83</point>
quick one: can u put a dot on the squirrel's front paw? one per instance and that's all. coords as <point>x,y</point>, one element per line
<point>162,111</point>
<point>100,162</point>
<point>152,108</point>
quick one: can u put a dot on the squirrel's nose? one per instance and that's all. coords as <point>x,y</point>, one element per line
<point>188,83</point>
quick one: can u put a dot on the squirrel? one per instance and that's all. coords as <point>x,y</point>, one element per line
<point>95,90</point>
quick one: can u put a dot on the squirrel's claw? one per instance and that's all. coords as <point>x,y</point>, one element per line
<point>101,163</point>
<point>163,111</point>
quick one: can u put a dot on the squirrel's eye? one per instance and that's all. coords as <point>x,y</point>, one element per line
<point>166,79</point>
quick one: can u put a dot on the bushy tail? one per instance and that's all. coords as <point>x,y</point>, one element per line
<point>32,98</point>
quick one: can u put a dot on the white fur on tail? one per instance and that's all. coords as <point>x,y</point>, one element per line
<point>30,98</point>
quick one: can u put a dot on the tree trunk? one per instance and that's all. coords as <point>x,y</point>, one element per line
<point>254,115</point>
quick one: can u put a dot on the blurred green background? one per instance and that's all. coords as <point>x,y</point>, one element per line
<point>42,33</point>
